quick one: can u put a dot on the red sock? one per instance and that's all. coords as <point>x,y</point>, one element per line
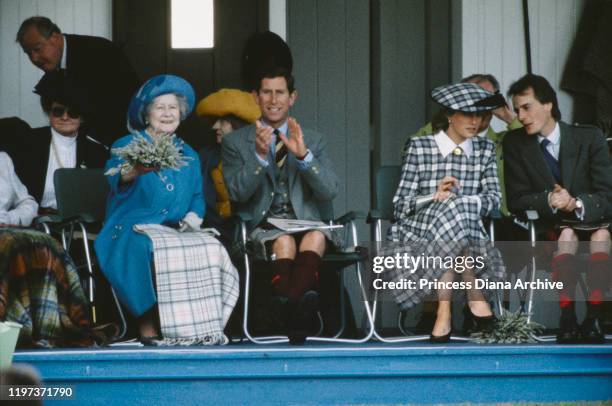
<point>563,267</point>
<point>282,275</point>
<point>304,275</point>
<point>597,276</point>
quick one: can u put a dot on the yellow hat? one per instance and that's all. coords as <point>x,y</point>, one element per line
<point>229,101</point>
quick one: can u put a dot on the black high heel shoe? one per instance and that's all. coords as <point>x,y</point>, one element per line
<point>440,339</point>
<point>150,341</point>
<point>476,324</point>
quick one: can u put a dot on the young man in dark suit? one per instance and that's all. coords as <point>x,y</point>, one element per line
<point>563,172</point>
<point>96,65</point>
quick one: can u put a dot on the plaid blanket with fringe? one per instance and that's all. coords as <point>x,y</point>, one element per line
<point>40,289</point>
<point>197,285</point>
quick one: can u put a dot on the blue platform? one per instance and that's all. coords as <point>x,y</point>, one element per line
<point>328,374</point>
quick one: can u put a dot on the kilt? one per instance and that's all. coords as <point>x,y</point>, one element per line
<point>261,238</point>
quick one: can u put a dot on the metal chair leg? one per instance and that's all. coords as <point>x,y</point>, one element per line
<point>530,292</point>
<point>123,330</point>
<point>342,309</point>
<point>247,291</point>
<point>90,270</point>
<point>284,339</point>
<point>367,309</point>
<point>532,275</point>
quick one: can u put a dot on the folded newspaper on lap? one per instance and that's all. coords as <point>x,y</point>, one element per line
<point>293,226</point>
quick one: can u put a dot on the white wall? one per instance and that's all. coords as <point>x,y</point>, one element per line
<point>278,17</point>
<point>17,74</point>
<point>493,41</point>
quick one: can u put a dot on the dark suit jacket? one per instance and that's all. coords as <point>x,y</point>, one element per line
<point>12,130</point>
<point>31,161</point>
<point>107,80</point>
<point>586,172</point>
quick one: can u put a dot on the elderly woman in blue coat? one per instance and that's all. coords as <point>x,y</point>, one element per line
<point>140,196</point>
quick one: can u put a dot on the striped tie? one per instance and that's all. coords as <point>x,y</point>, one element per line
<point>281,150</point>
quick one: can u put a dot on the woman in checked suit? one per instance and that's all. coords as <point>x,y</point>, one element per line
<point>448,184</point>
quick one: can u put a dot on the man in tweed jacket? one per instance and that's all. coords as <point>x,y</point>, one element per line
<point>563,172</point>
<point>276,169</point>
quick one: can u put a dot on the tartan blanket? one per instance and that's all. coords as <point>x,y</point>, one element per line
<point>197,285</point>
<point>40,289</point>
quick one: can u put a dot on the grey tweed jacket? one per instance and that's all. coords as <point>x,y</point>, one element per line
<point>251,186</point>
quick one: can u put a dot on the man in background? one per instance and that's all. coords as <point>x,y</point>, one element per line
<point>95,65</point>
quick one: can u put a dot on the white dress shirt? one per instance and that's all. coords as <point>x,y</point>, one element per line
<point>17,207</point>
<point>64,52</point>
<point>65,148</point>
<point>555,141</point>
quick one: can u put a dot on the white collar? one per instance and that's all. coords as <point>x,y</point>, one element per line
<point>446,145</point>
<point>64,52</point>
<point>62,141</point>
<point>554,137</point>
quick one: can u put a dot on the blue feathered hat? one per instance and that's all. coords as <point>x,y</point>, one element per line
<point>157,86</point>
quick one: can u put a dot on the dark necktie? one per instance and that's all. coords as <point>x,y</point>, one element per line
<point>281,150</point>
<point>552,163</point>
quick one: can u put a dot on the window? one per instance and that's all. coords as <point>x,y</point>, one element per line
<point>192,24</point>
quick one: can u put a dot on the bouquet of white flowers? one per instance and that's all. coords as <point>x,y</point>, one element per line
<point>162,153</point>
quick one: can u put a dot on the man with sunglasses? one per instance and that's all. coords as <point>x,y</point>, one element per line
<point>62,144</point>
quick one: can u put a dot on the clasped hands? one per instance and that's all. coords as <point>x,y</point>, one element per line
<point>445,188</point>
<point>560,199</point>
<point>295,144</point>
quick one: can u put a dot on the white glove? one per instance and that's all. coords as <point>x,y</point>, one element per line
<point>191,222</point>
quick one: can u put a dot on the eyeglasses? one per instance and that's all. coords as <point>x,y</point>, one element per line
<point>58,111</point>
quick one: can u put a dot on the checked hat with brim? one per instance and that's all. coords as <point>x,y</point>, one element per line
<point>467,97</point>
